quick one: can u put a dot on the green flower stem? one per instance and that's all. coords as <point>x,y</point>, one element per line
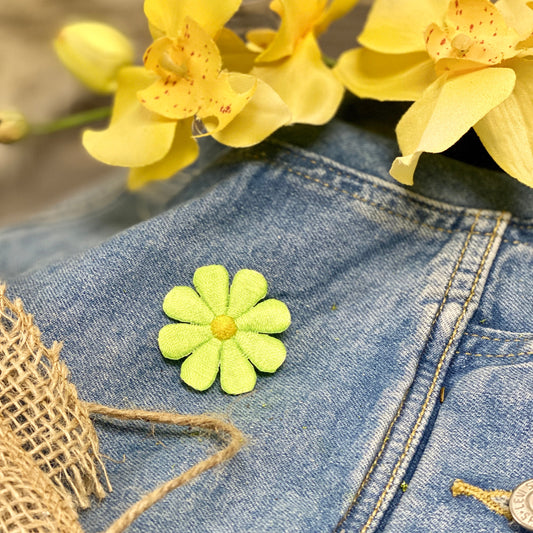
<point>72,121</point>
<point>329,61</point>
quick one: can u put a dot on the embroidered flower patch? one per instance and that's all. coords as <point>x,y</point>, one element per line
<point>223,327</point>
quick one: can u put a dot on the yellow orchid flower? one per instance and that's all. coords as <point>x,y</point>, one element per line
<point>466,63</point>
<point>94,53</point>
<point>291,62</point>
<point>182,81</point>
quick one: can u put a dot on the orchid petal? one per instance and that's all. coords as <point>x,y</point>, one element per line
<point>262,115</point>
<point>518,14</point>
<point>335,10</point>
<point>370,74</point>
<point>259,39</point>
<point>296,21</point>
<point>398,27</point>
<point>446,111</point>
<point>167,16</point>
<point>507,130</point>
<point>135,137</point>
<point>312,102</point>
<point>182,153</point>
<point>236,56</point>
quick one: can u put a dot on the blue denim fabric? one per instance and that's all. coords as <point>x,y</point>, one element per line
<point>394,293</point>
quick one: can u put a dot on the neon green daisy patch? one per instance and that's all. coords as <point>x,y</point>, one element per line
<point>224,327</point>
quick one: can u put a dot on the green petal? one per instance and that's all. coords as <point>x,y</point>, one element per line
<point>178,340</point>
<point>237,375</point>
<point>270,316</point>
<point>212,284</point>
<point>200,369</point>
<point>265,352</point>
<point>247,288</point>
<point>183,304</point>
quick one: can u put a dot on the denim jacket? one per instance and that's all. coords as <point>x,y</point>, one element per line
<point>409,358</point>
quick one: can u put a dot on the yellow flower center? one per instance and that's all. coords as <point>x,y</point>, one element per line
<point>223,327</point>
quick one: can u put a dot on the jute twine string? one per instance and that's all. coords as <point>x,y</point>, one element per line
<point>201,421</point>
<point>49,456</point>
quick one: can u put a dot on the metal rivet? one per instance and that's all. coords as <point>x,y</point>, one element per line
<point>521,504</point>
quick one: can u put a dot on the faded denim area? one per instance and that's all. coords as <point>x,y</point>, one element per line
<point>393,295</point>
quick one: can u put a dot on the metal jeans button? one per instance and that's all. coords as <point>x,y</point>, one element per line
<point>521,504</point>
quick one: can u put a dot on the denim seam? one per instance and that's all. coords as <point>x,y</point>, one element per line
<point>372,203</point>
<point>374,463</point>
<point>493,355</point>
<point>398,412</point>
<point>345,174</point>
<point>436,375</point>
<point>507,241</point>
<point>485,337</point>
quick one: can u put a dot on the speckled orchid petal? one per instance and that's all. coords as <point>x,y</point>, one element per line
<point>166,17</point>
<point>445,112</point>
<point>335,10</point>
<point>507,130</point>
<point>190,82</point>
<point>135,137</point>
<point>474,32</point>
<point>297,18</point>
<point>312,102</point>
<point>183,152</point>
<point>370,74</point>
<point>186,69</point>
<point>262,115</point>
<point>395,27</point>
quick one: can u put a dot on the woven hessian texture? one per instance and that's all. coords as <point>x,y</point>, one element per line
<point>29,501</point>
<point>42,409</point>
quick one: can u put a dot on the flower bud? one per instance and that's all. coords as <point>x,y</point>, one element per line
<point>94,53</point>
<point>13,126</point>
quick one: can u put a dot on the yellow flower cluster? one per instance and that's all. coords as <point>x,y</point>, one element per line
<point>464,63</point>
<point>199,78</point>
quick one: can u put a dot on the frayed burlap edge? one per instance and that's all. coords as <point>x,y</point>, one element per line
<point>42,408</point>
<point>29,501</point>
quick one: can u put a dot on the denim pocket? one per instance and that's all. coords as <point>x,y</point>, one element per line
<point>481,434</point>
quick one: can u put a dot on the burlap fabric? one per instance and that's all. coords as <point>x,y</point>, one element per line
<point>45,431</point>
<point>29,501</point>
<point>49,459</point>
